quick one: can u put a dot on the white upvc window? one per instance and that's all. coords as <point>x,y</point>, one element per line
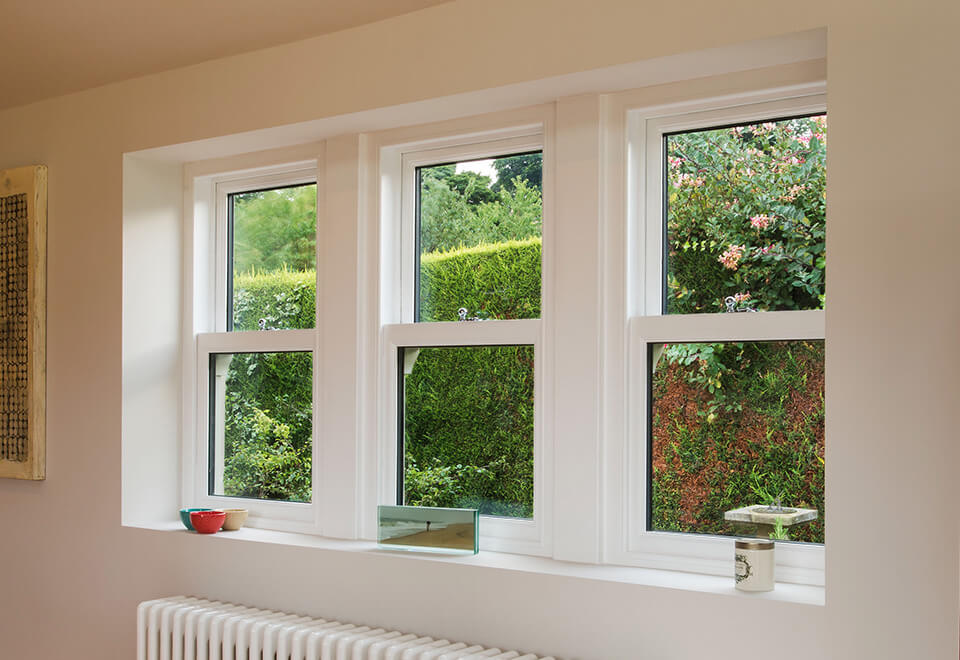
<point>486,344</point>
<point>240,328</point>
<point>653,327</point>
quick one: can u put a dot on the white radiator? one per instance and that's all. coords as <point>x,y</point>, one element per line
<point>184,628</point>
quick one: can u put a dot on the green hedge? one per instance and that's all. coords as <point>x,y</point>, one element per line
<point>285,298</point>
<point>497,281</point>
<point>469,429</point>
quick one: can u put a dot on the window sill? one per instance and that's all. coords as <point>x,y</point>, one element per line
<point>662,579</point>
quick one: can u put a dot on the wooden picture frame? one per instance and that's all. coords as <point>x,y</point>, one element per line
<point>23,321</point>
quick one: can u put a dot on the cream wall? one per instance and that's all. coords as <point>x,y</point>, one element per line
<point>72,576</point>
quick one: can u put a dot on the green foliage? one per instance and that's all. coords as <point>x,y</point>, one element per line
<point>442,485</point>
<point>779,532</point>
<point>472,408</point>
<point>756,437</point>
<point>747,216</point>
<point>526,167</point>
<point>269,396</point>
<point>275,229</point>
<point>492,281</point>
<point>262,460</point>
<point>469,411</point>
<point>449,219</point>
<point>284,298</point>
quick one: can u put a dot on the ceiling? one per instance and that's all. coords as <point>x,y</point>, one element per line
<point>55,47</point>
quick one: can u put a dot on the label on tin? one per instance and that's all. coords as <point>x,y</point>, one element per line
<point>742,570</point>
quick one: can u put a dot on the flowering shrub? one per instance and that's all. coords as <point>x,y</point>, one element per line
<point>746,216</point>
<point>733,423</point>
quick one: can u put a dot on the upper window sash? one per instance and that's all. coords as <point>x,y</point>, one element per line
<point>269,178</point>
<point>405,295</point>
<point>647,129</point>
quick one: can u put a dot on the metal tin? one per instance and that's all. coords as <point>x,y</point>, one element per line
<point>754,564</point>
<point>754,544</point>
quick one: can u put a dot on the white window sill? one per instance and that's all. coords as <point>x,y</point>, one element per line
<point>784,592</point>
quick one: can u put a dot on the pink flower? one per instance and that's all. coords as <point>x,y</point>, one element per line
<point>732,256</point>
<point>793,193</point>
<point>759,222</point>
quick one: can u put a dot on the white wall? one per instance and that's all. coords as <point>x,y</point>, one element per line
<point>72,575</point>
<point>152,321</point>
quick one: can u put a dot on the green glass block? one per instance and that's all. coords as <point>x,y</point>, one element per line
<point>429,529</point>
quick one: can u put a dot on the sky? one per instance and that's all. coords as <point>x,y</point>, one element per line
<point>484,167</point>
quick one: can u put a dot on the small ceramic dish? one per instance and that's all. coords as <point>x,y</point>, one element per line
<point>207,522</point>
<point>235,519</point>
<point>185,517</point>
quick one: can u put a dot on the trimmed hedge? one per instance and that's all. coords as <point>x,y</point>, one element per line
<point>285,298</point>
<point>494,281</point>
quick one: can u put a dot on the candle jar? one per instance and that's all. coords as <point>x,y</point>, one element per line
<point>753,564</point>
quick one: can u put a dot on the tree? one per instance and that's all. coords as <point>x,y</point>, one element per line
<point>526,167</point>
<point>450,219</point>
<point>275,229</point>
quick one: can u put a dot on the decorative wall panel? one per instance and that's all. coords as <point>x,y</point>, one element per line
<point>23,299</point>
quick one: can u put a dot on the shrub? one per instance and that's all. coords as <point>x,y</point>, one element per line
<point>284,298</point>
<point>469,428</point>
<point>496,281</point>
<point>747,216</point>
<point>758,435</point>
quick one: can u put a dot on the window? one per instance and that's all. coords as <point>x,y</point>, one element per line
<point>727,387</point>
<point>463,362</point>
<point>608,369</point>
<point>255,370</point>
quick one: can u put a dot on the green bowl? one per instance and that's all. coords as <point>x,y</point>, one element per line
<point>185,517</point>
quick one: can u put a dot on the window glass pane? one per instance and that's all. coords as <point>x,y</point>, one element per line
<point>745,216</point>
<point>273,237</point>
<point>467,436</point>
<point>479,239</point>
<point>735,425</point>
<point>261,421</point>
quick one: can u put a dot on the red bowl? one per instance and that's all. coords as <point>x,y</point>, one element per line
<point>207,522</point>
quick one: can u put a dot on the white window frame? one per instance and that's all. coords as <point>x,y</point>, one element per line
<point>630,542</point>
<point>400,154</point>
<point>206,321</point>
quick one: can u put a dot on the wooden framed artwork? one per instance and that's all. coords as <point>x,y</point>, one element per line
<point>23,321</point>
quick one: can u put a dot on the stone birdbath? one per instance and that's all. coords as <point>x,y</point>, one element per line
<point>765,517</point>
